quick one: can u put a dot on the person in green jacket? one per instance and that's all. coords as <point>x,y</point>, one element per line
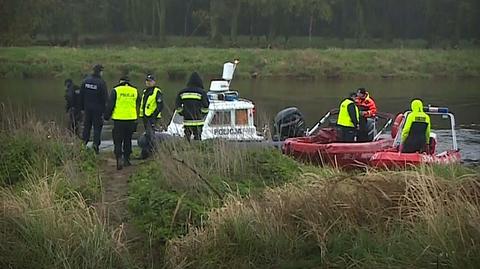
<point>416,130</point>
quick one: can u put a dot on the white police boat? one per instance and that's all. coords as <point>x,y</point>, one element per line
<point>230,117</point>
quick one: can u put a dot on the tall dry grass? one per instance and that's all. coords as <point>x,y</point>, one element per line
<point>42,228</point>
<point>48,183</point>
<point>400,219</point>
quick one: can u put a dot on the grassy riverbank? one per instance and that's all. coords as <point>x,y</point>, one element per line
<point>211,205</point>
<point>177,63</point>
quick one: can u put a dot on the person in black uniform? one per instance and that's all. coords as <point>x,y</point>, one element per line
<point>93,92</point>
<point>150,110</point>
<point>192,103</point>
<point>73,106</point>
<point>122,108</point>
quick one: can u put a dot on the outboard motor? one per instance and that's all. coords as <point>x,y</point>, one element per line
<point>288,123</point>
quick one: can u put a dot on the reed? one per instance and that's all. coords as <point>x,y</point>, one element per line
<point>379,219</point>
<point>44,227</point>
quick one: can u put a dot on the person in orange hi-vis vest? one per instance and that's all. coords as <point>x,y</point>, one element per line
<point>368,111</point>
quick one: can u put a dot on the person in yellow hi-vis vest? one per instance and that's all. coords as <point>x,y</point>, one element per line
<point>348,120</point>
<point>122,108</point>
<point>151,111</point>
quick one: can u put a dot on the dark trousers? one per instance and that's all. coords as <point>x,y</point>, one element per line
<point>414,144</point>
<point>74,120</point>
<point>195,130</point>
<point>93,118</point>
<point>149,124</point>
<point>365,132</point>
<point>346,134</point>
<point>122,137</point>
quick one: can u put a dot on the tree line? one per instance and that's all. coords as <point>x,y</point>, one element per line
<point>222,21</point>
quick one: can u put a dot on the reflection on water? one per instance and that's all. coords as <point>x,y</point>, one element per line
<point>314,98</point>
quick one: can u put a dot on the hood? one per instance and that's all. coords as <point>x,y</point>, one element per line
<point>195,81</point>
<point>417,105</point>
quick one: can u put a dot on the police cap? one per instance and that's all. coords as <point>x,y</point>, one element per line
<point>150,77</point>
<point>97,68</point>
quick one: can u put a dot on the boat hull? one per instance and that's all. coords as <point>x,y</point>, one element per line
<point>323,150</point>
<point>391,160</point>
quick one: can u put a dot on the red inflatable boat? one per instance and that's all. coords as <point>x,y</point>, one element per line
<point>393,158</point>
<point>320,146</point>
<point>322,149</point>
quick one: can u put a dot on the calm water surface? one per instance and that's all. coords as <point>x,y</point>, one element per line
<point>314,98</point>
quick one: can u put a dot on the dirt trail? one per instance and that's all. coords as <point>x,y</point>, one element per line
<point>115,191</point>
<point>114,209</point>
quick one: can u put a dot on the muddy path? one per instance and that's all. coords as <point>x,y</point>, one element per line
<point>113,209</point>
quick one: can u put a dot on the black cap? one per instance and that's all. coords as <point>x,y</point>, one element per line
<point>352,95</point>
<point>362,90</point>
<point>97,68</point>
<point>124,78</point>
<point>150,77</point>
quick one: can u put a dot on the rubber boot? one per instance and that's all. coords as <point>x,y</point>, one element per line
<point>119,163</point>
<point>96,149</point>
<point>144,154</point>
<point>126,161</point>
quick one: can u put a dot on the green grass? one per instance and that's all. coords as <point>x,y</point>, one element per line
<point>177,63</point>
<point>29,146</point>
<point>168,198</point>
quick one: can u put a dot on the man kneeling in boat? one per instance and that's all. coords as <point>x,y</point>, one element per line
<point>416,131</point>
<point>348,120</point>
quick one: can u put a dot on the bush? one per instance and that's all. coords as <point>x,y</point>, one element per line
<point>173,193</point>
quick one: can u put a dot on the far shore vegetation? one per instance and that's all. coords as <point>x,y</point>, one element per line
<point>176,63</point>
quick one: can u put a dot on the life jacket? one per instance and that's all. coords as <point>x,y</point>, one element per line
<point>126,103</point>
<point>148,107</point>
<point>367,105</point>
<point>343,115</point>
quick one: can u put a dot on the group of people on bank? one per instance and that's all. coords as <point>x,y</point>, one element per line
<point>358,111</point>
<point>125,105</point>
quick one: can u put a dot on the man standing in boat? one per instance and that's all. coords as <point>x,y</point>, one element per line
<point>122,108</point>
<point>348,120</point>
<point>93,98</point>
<point>368,111</point>
<point>150,110</point>
<point>192,103</point>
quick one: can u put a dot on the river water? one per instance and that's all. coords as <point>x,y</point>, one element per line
<point>313,98</point>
